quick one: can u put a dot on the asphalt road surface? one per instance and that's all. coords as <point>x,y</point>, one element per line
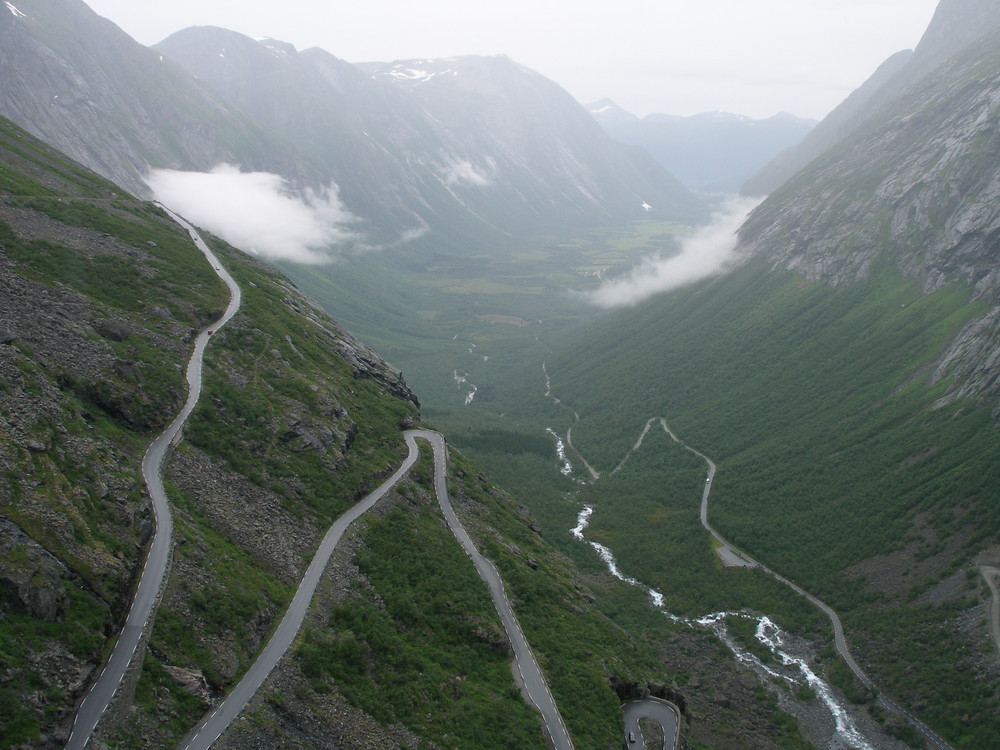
<point>533,683</point>
<point>665,714</point>
<point>147,592</point>
<point>204,735</point>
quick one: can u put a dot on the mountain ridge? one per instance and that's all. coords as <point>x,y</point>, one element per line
<point>954,25</point>
<point>913,187</point>
<point>81,83</point>
<point>709,151</point>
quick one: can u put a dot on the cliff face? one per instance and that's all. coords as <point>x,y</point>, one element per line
<point>917,187</point>
<point>956,25</point>
<point>80,83</point>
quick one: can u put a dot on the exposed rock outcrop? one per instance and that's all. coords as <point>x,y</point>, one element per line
<point>956,24</point>
<point>917,187</point>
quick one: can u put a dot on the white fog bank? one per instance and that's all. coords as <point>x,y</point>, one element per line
<point>708,251</point>
<point>256,212</point>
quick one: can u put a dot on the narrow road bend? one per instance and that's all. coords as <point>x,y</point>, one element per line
<point>534,685</point>
<point>663,713</point>
<point>137,622</point>
<point>840,639</point>
<point>208,731</point>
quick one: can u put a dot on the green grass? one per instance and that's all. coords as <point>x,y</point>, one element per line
<point>815,401</point>
<point>431,657</point>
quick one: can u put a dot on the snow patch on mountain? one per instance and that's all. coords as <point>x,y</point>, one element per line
<point>14,11</point>
<point>406,72</point>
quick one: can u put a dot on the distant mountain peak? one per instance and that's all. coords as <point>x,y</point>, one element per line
<point>711,151</point>
<point>603,106</point>
<point>956,25</point>
<point>719,116</point>
<point>278,47</point>
<point>606,112</point>
<point>416,71</point>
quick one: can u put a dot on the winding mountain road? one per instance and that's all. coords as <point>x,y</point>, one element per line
<point>533,683</point>
<point>206,733</point>
<point>732,555</point>
<point>654,709</point>
<point>137,623</point>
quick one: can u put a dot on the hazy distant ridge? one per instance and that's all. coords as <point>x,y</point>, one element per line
<point>710,152</point>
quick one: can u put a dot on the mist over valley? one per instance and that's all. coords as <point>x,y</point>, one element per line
<point>415,403</point>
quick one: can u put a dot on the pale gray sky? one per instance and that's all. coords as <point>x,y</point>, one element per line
<point>752,57</point>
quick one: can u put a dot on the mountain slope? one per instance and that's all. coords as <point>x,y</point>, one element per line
<point>529,137</point>
<point>101,296</point>
<point>839,466</point>
<point>469,144</point>
<point>916,188</point>
<point>956,24</point>
<point>844,377</point>
<point>709,152</point>
<point>102,293</point>
<point>78,82</point>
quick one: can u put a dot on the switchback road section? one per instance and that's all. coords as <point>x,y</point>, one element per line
<point>147,593</point>
<point>534,685</point>
<point>663,713</point>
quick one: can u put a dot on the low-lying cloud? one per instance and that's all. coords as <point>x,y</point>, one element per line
<point>257,212</point>
<point>708,251</point>
<point>464,172</point>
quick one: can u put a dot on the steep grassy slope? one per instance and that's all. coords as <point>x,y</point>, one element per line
<point>839,464</point>
<point>102,294</point>
<point>297,419</point>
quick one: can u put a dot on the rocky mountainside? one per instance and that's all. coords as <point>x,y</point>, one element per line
<point>845,377</point>
<point>916,187</point>
<point>529,137</point>
<point>478,142</point>
<point>100,297</point>
<point>709,152</point>
<point>401,164</point>
<point>78,82</point>
<point>955,25</point>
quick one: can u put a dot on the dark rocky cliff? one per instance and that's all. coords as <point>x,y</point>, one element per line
<point>918,187</point>
<point>78,82</point>
<point>955,25</point>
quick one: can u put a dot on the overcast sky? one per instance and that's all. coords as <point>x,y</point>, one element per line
<point>752,57</point>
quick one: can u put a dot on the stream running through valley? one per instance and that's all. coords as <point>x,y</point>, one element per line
<point>788,664</point>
